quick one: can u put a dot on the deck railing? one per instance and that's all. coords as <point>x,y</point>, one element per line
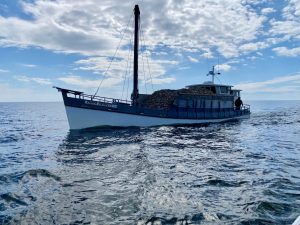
<point>103,99</point>
<point>244,107</point>
<point>81,95</point>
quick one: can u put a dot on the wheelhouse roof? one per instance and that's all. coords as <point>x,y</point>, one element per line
<point>209,85</point>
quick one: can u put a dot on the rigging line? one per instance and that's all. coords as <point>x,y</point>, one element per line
<point>114,55</point>
<point>130,67</point>
<point>143,64</point>
<point>143,40</point>
<point>127,81</point>
<point>219,80</point>
<point>128,84</point>
<point>127,64</point>
<point>130,70</point>
<point>218,63</point>
<point>127,68</point>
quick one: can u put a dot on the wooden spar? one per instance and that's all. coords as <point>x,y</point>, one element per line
<point>135,93</point>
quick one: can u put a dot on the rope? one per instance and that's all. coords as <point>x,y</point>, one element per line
<point>219,80</point>
<point>127,64</point>
<point>127,87</point>
<point>143,40</point>
<point>145,81</point>
<point>114,55</point>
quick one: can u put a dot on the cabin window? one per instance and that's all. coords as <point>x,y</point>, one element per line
<point>226,104</point>
<point>222,104</point>
<point>223,90</point>
<point>213,89</point>
<point>200,103</point>
<point>182,103</point>
<point>236,93</point>
<point>215,104</point>
<point>190,103</point>
<point>207,104</point>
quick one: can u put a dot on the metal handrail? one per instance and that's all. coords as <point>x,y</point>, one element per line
<point>104,99</point>
<point>92,97</point>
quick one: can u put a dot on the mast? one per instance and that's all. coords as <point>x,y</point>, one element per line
<point>135,92</point>
<point>213,74</point>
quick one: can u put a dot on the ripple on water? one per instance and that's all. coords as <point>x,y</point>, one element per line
<point>242,172</point>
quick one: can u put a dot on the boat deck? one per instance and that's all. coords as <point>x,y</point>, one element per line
<point>80,100</point>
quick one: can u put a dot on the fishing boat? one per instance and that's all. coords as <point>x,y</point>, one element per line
<point>193,104</point>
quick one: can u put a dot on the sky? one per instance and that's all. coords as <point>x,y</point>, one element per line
<point>79,45</point>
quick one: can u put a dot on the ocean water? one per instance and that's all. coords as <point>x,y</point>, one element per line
<point>241,172</point>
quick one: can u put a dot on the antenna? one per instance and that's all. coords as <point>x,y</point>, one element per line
<point>218,63</point>
<point>213,74</point>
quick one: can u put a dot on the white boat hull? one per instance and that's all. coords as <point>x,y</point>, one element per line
<point>80,118</point>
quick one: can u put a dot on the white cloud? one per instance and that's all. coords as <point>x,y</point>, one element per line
<point>279,84</point>
<point>52,30</point>
<point>224,67</point>
<point>118,70</point>
<point>90,28</point>
<point>165,80</point>
<point>4,71</point>
<point>289,27</point>
<point>43,81</point>
<point>207,53</point>
<point>291,52</point>
<point>192,59</point>
<point>29,65</point>
<point>251,47</point>
<point>19,94</point>
<point>89,83</point>
<point>252,58</point>
<point>266,11</point>
<point>254,2</point>
<point>183,68</point>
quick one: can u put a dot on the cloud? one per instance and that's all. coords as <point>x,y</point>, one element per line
<point>193,59</point>
<point>251,47</point>
<point>121,69</point>
<point>290,52</point>
<point>183,68</point>
<point>53,30</point>
<point>14,94</point>
<point>280,84</point>
<point>29,65</point>
<point>89,83</point>
<point>4,71</point>
<point>43,81</point>
<point>224,67</point>
<point>92,29</point>
<point>254,2</point>
<point>165,80</point>
<point>207,53</point>
<point>266,11</point>
<point>289,26</point>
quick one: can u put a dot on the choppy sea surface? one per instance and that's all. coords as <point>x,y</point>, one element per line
<point>240,172</point>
